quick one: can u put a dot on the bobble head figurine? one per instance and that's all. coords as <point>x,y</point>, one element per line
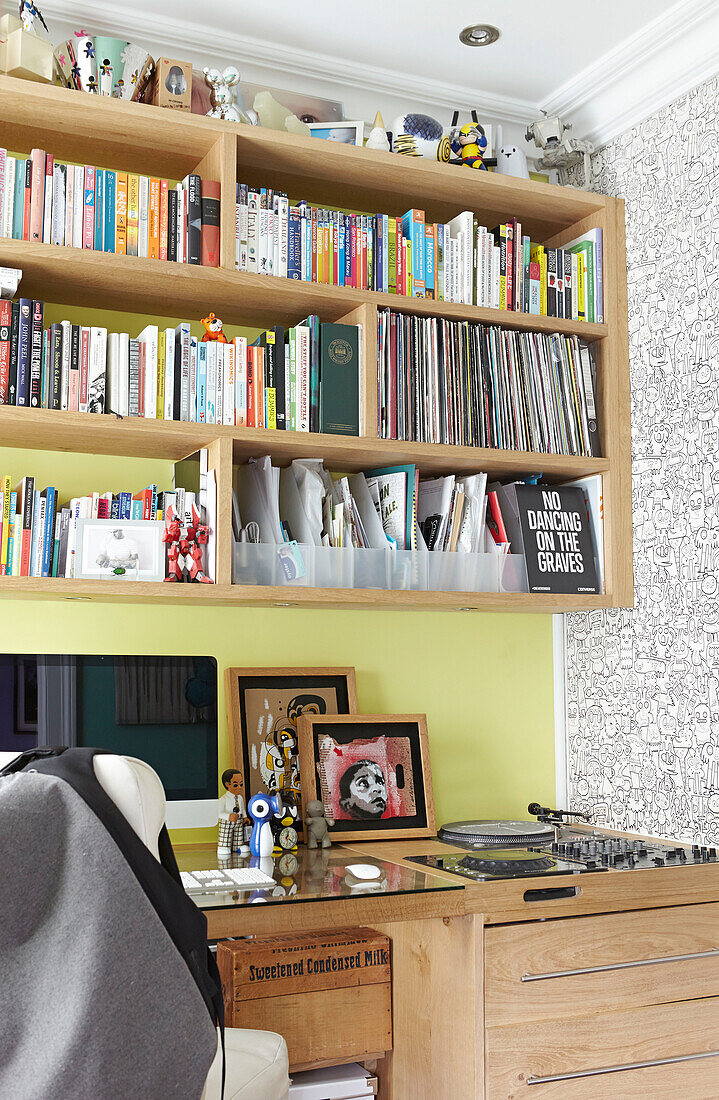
<point>469,143</point>
<point>232,815</point>
<point>317,831</point>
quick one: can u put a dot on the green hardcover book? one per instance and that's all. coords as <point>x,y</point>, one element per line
<point>339,379</point>
<point>586,248</point>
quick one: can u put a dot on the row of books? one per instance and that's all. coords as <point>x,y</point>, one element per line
<point>390,508</point>
<point>475,385</point>
<point>305,379</point>
<point>45,201</point>
<point>459,261</point>
<point>38,534</point>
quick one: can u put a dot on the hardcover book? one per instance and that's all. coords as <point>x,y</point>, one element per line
<point>339,379</point>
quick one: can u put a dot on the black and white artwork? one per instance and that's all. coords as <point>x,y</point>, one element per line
<point>120,549</point>
<point>643,684</point>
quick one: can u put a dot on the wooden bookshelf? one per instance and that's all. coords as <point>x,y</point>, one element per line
<point>171,143</point>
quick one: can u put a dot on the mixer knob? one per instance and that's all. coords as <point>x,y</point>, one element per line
<point>659,861</point>
<point>623,845</point>
<point>705,855</point>
<point>605,858</point>
<point>591,864</point>
<point>682,855</point>
<point>671,854</point>
<point>696,851</point>
<point>555,847</point>
<point>631,860</point>
<point>712,853</point>
<point>618,857</point>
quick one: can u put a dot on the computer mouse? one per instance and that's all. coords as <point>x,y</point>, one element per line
<point>365,871</point>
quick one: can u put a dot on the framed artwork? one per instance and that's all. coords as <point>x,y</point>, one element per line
<point>371,773</point>
<point>263,708</point>
<point>120,550</point>
<point>347,133</point>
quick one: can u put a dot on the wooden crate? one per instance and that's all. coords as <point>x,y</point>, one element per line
<point>328,993</point>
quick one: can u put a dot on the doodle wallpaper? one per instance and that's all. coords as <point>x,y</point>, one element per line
<point>643,684</point>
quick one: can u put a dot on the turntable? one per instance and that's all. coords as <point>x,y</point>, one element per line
<point>487,834</point>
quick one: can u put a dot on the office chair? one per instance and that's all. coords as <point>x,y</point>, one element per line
<point>256,1061</point>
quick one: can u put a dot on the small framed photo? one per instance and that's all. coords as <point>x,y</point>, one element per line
<point>347,133</point>
<point>371,773</point>
<point>263,708</point>
<point>120,550</point>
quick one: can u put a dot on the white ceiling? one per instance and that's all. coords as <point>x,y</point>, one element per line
<point>542,43</point>
<point>604,65</point>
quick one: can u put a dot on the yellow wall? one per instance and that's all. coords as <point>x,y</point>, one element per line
<point>484,681</point>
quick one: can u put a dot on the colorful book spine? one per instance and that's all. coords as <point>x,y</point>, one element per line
<point>88,225</point>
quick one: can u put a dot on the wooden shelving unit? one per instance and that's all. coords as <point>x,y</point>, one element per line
<point>153,141</point>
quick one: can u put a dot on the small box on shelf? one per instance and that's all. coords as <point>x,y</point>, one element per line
<point>24,54</point>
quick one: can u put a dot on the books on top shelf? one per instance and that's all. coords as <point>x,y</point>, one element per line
<point>305,379</point>
<point>469,384</point>
<point>38,533</point>
<point>45,201</point>
<point>457,261</point>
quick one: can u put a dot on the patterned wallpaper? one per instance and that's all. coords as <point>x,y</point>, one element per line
<point>643,685</point>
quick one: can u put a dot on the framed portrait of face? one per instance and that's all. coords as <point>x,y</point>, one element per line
<point>371,772</point>
<point>263,708</point>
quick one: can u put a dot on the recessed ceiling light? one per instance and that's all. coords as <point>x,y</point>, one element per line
<point>480,34</point>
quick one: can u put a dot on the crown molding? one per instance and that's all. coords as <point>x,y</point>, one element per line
<point>179,38</point>
<point>652,67</point>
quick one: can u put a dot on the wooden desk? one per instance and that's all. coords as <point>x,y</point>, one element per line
<point>623,972</point>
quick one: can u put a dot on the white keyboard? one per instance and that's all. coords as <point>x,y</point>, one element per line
<point>234,878</point>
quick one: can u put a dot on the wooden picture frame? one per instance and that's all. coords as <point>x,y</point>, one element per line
<point>359,732</point>
<point>256,700</point>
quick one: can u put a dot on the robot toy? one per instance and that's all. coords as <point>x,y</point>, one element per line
<point>184,542</point>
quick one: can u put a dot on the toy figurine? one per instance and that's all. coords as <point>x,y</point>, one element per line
<point>29,12</point>
<point>284,824</point>
<point>261,808</point>
<point>415,135</point>
<point>469,143</point>
<point>232,815</point>
<point>378,135</point>
<point>221,96</point>
<point>184,542</point>
<point>317,830</point>
<point>213,329</point>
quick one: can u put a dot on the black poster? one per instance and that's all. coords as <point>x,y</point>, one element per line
<point>557,539</point>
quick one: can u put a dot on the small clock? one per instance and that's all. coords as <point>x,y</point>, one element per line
<point>288,864</point>
<point>287,838</point>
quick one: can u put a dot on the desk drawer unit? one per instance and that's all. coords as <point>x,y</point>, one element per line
<point>546,970</point>
<point>663,1052</point>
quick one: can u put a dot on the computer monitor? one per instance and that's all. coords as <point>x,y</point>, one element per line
<point>162,710</point>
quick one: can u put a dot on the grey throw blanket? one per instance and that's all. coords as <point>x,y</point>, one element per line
<point>95,1001</point>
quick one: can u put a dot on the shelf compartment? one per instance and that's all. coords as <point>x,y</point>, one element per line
<point>370,181</point>
<point>107,281</point>
<point>112,133</point>
<point>88,433</point>
<point>329,567</point>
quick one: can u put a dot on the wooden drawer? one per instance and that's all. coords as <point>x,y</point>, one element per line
<point>549,969</point>
<point>579,1058</point>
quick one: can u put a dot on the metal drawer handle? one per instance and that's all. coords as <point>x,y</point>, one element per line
<point>712,953</point>
<point>619,1069</point>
